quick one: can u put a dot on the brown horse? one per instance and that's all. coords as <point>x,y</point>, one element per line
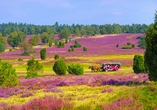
<point>93,68</point>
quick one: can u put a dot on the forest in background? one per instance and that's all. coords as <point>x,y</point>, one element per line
<point>90,30</point>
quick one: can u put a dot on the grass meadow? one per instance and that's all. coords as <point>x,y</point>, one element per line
<point>112,90</point>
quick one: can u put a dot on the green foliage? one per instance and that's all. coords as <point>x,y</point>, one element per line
<point>64,33</point>
<point>75,69</point>
<point>128,43</point>
<point>2,48</point>
<point>84,48</point>
<point>117,45</point>
<point>25,46</point>
<point>34,65</point>
<point>138,65</point>
<point>60,67</point>
<point>56,57</point>
<point>45,38</point>
<point>126,47</point>
<point>139,37</point>
<point>133,45</point>
<point>0,60</point>
<point>66,40</point>
<point>10,49</point>
<point>76,44</point>
<point>8,76</point>
<point>32,74</point>
<point>2,39</point>
<point>56,42</point>
<point>20,59</point>
<point>61,44</point>
<point>142,43</point>
<point>43,54</point>
<point>151,52</point>
<point>50,43</point>
<point>70,39</point>
<point>70,50</point>
<point>25,54</point>
<point>33,41</point>
<point>15,38</point>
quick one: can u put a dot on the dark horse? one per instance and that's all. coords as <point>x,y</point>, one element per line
<point>94,68</point>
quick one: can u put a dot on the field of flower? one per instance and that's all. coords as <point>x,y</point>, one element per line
<point>112,90</point>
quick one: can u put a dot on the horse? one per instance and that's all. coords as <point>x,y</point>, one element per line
<point>94,68</point>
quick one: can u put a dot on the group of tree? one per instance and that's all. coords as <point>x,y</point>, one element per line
<point>64,30</point>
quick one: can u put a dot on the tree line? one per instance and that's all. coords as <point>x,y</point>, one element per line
<point>90,30</point>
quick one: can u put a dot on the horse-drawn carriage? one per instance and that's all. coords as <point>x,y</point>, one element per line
<point>106,67</point>
<point>110,66</point>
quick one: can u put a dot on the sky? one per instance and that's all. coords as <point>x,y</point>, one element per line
<point>86,12</point>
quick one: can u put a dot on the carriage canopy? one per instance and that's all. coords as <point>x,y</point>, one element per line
<point>115,63</point>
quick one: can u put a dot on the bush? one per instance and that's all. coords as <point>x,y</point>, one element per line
<point>66,41</point>
<point>117,45</point>
<point>133,45</point>
<point>75,69</point>
<point>70,50</point>
<point>2,48</point>
<point>126,47</point>
<point>56,57</point>
<point>10,49</point>
<point>70,39</point>
<point>25,54</point>
<point>76,45</point>
<point>84,49</point>
<point>8,76</point>
<point>20,59</point>
<point>34,65</point>
<point>56,42</point>
<point>50,43</point>
<point>76,42</point>
<point>138,65</point>
<point>43,54</point>
<point>128,43</point>
<point>61,45</point>
<point>60,67</point>
<point>32,74</point>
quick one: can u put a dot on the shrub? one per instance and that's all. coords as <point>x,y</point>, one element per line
<point>20,59</point>
<point>126,47</point>
<point>8,76</point>
<point>117,45</point>
<point>133,45</point>
<point>138,65</point>
<point>50,43</point>
<point>61,45</point>
<point>43,54</point>
<point>84,49</point>
<point>25,54</point>
<point>56,57</point>
<point>56,42</point>
<point>76,45</point>
<point>70,39</point>
<point>70,50</point>
<point>10,49</point>
<point>128,43</point>
<point>34,65</point>
<point>32,74</point>
<point>150,55</point>
<point>2,48</point>
<point>60,67</point>
<point>66,41</point>
<point>75,69</point>
<point>76,42</point>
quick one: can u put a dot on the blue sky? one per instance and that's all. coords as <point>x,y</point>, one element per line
<point>87,12</point>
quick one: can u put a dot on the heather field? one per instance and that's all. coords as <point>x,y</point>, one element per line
<point>112,90</point>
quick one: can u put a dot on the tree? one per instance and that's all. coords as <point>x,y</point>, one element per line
<point>45,37</point>
<point>50,43</point>
<point>150,55</point>
<point>25,46</point>
<point>32,31</point>
<point>37,37</point>
<point>2,48</point>
<point>33,41</point>
<point>8,76</point>
<point>56,57</point>
<point>60,67</point>
<point>2,39</point>
<point>77,32</point>
<point>15,38</point>
<point>64,33</point>
<point>25,30</point>
<point>43,54</point>
<point>138,65</point>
